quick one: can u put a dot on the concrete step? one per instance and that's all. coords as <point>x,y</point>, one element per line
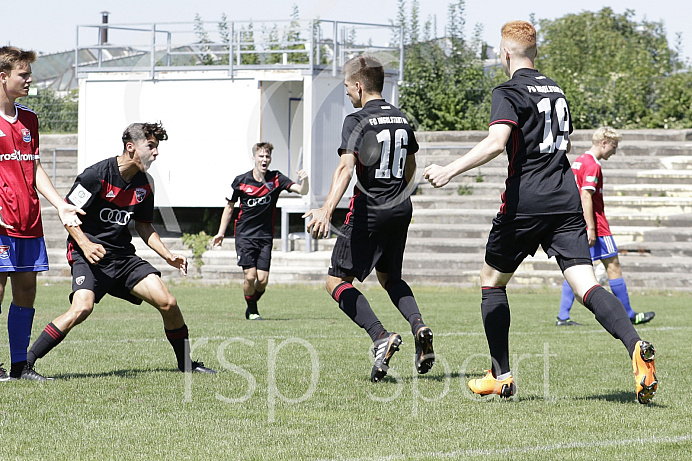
<point>658,249</point>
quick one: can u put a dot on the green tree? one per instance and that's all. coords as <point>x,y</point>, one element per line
<point>247,46</point>
<point>445,86</point>
<point>225,36</point>
<point>56,114</point>
<point>674,102</point>
<point>203,39</point>
<point>612,69</point>
<point>271,37</point>
<point>293,40</point>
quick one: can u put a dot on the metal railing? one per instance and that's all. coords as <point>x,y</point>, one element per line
<point>306,45</point>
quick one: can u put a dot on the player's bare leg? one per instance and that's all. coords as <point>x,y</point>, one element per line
<point>152,290</point>
<point>254,284</point>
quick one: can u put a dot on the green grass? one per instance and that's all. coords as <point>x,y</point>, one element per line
<point>296,386</point>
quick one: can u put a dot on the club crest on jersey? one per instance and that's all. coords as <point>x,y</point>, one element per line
<point>4,252</point>
<point>79,280</point>
<point>270,186</point>
<point>140,193</point>
<point>26,135</point>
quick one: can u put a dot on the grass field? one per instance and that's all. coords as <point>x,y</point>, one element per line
<point>296,386</point>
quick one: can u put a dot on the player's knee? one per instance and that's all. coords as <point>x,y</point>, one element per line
<point>24,295</point>
<point>168,303</point>
<point>80,312</point>
<point>262,279</point>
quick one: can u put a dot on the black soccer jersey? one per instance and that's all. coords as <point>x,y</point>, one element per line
<point>110,204</point>
<point>257,203</point>
<point>381,137</point>
<point>540,180</point>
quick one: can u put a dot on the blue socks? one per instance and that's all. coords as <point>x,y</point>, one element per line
<point>619,289</point>
<point>19,322</point>
<point>566,301</point>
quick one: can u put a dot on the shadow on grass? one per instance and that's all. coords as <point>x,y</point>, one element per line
<point>436,377</point>
<point>128,373</point>
<point>622,397</point>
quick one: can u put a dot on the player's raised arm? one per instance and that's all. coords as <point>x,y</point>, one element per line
<point>321,217</point>
<point>303,186</point>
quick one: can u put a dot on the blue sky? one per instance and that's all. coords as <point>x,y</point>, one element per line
<point>50,26</point>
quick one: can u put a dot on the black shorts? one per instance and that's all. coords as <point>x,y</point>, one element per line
<point>513,238</point>
<point>254,253</point>
<point>357,251</point>
<point>115,275</point>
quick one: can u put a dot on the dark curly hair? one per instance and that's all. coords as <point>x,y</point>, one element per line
<point>139,131</point>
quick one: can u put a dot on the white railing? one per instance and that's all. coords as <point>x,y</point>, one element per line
<point>308,45</point>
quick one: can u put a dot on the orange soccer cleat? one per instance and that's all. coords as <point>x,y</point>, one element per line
<point>644,371</point>
<point>489,385</point>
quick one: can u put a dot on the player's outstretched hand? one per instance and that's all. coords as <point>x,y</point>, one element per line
<point>437,175</point>
<point>217,240</point>
<point>3,223</point>
<point>319,224</point>
<point>68,215</point>
<point>302,174</point>
<point>93,252</point>
<point>179,262</point>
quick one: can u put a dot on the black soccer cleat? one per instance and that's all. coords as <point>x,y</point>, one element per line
<point>382,350</point>
<point>250,315</point>
<point>198,367</point>
<point>4,376</point>
<point>30,374</point>
<point>425,356</point>
<point>643,317</point>
<point>566,323</point>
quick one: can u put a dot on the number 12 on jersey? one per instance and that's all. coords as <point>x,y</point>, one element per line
<point>549,144</point>
<point>384,137</point>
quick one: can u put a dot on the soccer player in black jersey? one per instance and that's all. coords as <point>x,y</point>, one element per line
<point>379,143</point>
<point>112,192</point>
<point>258,191</point>
<point>541,206</point>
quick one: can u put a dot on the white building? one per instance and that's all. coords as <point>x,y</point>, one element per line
<point>288,91</point>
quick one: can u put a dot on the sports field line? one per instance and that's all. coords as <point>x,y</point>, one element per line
<point>508,451</point>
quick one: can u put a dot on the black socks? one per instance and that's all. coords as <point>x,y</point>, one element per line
<point>496,320</point>
<point>356,306</point>
<point>611,314</point>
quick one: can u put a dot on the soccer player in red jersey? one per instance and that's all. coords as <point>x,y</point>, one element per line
<point>530,119</point>
<point>113,192</point>
<point>22,248</point>
<point>257,190</point>
<point>589,177</point>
